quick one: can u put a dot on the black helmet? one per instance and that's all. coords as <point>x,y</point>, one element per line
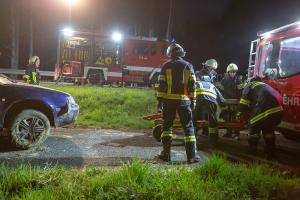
<point>175,50</point>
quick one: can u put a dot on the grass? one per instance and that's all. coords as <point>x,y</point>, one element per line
<point>216,179</point>
<point>108,107</point>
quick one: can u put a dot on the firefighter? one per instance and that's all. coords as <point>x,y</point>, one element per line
<point>177,92</point>
<point>208,98</point>
<point>231,87</point>
<point>208,69</point>
<point>265,106</point>
<point>32,74</point>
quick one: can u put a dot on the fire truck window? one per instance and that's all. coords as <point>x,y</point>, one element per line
<point>153,49</point>
<point>140,49</point>
<point>163,50</point>
<point>289,60</point>
<point>265,59</point>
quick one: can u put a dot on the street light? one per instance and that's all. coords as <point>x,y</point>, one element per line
<point>71,2</point>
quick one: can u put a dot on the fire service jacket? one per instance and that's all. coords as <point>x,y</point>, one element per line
<point>262,101</point>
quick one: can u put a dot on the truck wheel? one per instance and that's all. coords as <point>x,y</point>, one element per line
<point>96,77</point>
<point>157,131</point>
<point>28,129</point>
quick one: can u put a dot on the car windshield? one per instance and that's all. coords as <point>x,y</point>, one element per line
<point>289,57</point>
<point>5,80</point>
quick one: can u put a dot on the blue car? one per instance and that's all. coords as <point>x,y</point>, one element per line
<point>28,112</point>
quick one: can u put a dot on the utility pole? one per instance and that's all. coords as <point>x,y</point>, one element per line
<point>15,31</point>
<point>170,20</point>
<point>151,20</point>
<point>30,29</point>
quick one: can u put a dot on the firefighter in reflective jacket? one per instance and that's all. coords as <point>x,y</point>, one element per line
<point>265,105</point>
<point>231,87</point>
<point>32,74</point>
<point>177,92</point>
<point>208,69</point>
<point>208,98</point>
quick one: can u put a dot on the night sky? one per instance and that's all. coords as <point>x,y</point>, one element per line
<point>220,29</point>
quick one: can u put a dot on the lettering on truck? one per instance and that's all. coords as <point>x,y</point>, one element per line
<point>291,100</point>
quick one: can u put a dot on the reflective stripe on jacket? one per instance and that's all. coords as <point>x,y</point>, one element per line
<point>207,91</point>
<point>262,101</point>
<point>177,81</point>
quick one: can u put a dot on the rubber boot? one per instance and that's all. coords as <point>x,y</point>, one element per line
<point>253,143</point>
<point>165,154</point>
<point>190,148</point>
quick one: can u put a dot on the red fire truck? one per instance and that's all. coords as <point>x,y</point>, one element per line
<point>98,59</point>
<point>275,57</point>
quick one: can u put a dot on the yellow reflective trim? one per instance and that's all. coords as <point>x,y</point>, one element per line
<point>186,81</point>
<point>34,77</point>
<point>257,84</point>
<point>207,93</point>
<point>162,78</point>
<point>265,114</point>
<point>240,86</point>
<point>244,102</point>
<point>160,94</point>
<point>169,80</point>
<point>26,76</point>
<point>166,134</point>
<point>176,96</point>
<point>190,139</point>
<point>173,96</point>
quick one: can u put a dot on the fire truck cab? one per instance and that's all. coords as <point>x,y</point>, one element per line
<point>97,59</point>
<point>275,57</point>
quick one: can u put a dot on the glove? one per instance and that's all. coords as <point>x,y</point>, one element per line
<point>193,104</point>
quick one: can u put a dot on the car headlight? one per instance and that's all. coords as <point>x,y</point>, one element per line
<point>70,101</point>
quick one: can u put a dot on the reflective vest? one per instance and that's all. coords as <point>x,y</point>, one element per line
<point>207,91</point>
<point>262,101</point>
<point>32,75</point>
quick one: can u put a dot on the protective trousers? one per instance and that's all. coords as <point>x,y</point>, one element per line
<point>206,110</point>
<point>185,113</point>
<point>266,127</point>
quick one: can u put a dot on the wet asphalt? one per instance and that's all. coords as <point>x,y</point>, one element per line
<point>74,147</point>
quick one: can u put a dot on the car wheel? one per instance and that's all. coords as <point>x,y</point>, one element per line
<point>29,128</point>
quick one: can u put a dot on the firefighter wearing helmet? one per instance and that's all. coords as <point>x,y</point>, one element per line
<point>176,90</point>
<point>209,69</point>
<point>266,109</point>
<point>208,98</point>
<point>231,87</point>
<point>32,74</point>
